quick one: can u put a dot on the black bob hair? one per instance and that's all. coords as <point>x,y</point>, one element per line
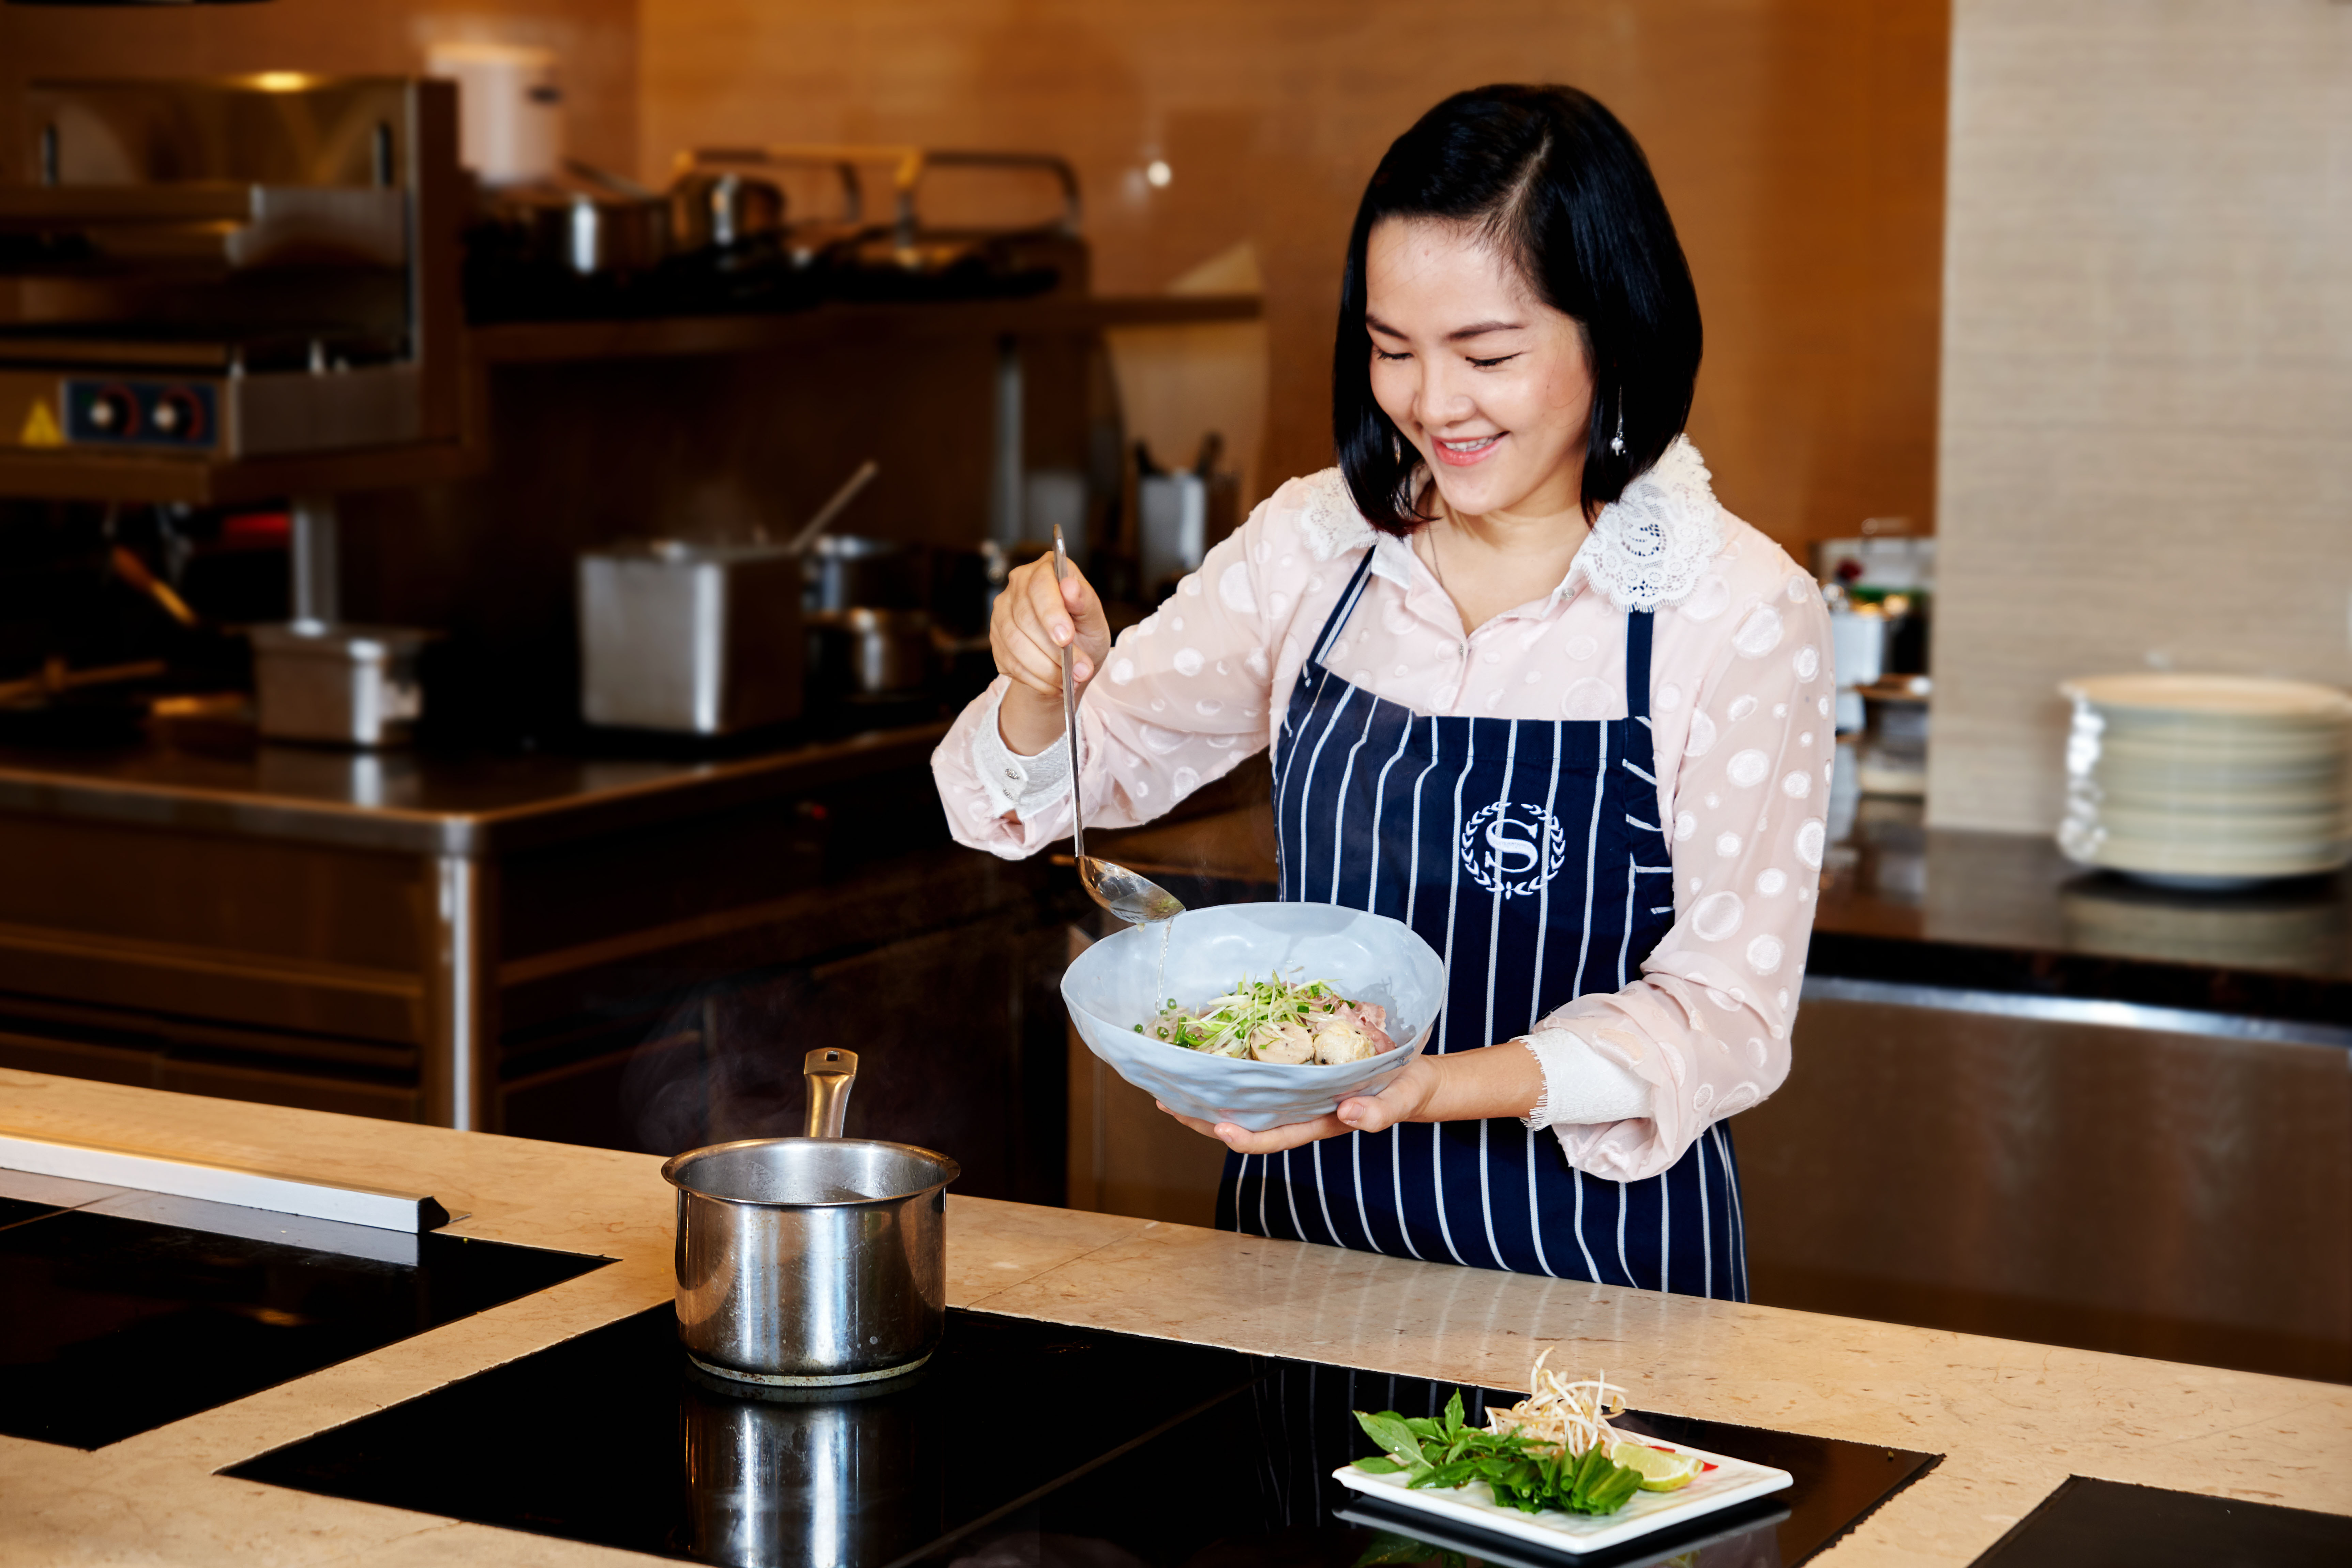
<point>1552,178</point>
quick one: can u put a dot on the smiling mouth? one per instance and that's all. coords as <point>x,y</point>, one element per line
<point>1460,454</point>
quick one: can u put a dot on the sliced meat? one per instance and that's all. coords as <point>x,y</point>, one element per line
<point>1337,1041</point>
<point>1287,1043</point>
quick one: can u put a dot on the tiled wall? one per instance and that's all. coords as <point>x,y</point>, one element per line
<point>2146,412</point>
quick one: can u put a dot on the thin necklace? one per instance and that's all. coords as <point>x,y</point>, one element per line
<point>1438,572</point>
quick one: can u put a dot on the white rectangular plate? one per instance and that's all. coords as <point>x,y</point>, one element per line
<point>1731,1481</point>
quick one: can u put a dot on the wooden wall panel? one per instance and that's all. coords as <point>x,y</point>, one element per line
<point>1799,142</point>
<point>595,45</point>
<point>2146,446</point>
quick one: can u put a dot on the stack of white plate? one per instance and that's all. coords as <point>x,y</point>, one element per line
<point>2208,780</point>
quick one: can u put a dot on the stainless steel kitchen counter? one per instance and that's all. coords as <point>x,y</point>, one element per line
<point>1997,912</point>
<point>1901,902</point>
<point>478,942</point>
<point>217,779</point>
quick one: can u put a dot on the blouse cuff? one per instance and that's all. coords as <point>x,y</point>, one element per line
<point>1016,784</point>
<point>1581,1087</point>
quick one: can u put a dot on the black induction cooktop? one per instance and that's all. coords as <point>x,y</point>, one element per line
<point>16,1211</point>
<point>2087,1524</point>
<point>120,1311</point>
<point>1021,1443</point>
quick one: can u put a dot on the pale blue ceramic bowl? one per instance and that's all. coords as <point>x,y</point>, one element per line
<point>1368,957</point>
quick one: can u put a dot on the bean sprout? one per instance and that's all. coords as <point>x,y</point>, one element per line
<point>1572,1416</point>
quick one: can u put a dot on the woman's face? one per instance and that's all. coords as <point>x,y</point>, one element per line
<point>1492,386</point>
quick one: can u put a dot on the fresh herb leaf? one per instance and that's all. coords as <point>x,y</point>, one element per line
<point>1454,1475</point>
<point>1390,1431</point>
<point>1552,1451</point>
<point>1444,1451</point>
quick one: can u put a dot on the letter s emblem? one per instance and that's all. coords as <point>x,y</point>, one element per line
<point>1513,848</point>
<point>1513,856</point>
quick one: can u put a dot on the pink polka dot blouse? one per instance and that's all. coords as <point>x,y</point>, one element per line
<point>1741,696</point>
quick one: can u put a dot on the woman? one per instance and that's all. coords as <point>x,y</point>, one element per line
<point>1529,688</point>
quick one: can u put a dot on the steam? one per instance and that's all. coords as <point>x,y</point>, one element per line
<point>703,1077</point>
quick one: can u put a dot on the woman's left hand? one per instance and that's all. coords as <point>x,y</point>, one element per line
<point>1407,1098</point>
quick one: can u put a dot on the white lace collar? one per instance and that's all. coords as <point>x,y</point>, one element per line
<point>1648,548</point>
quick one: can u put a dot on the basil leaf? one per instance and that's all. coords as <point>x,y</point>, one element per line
<point>1392,1432</point>
<point>1454,1412</point>
<point>1377,1466</point>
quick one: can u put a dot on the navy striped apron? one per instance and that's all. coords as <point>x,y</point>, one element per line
<point>1526,852</point>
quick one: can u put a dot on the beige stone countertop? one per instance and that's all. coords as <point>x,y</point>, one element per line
<point>2011,1420</point>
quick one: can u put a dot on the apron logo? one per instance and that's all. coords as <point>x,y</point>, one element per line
<point>1513,849</point>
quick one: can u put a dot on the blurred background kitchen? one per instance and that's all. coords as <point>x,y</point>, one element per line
<point>422,694</point>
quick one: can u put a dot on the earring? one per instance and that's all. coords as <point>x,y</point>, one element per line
<point>1617,442</point>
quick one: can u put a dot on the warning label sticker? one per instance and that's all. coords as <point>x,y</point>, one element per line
<point>40,427</point>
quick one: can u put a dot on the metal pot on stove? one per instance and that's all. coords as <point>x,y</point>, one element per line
<point>811,1262</point>
<point>866,652</point>
<point>842,572</point>
<point>723,211</point>
<point>869,634</point>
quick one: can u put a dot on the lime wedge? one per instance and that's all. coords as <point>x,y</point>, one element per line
<point>1660,1471</point>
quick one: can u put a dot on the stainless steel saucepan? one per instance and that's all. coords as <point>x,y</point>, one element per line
<point>815,1261</point>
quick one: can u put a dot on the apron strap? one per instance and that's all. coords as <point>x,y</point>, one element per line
<point>1638,626</point>
<point>1343,609</point>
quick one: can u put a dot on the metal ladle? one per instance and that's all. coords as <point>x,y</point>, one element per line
<point>1136,899</point>
<point>833,507</point>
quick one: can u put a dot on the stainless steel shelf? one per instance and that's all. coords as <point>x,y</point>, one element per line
<point>542,342</point>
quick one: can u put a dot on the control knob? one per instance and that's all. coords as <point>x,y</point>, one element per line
<point>114,411</point>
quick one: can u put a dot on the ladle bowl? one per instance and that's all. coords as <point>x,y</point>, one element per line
<point>1134,899</point>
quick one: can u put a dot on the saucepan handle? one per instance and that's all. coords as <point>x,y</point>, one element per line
<point>829,1075</point>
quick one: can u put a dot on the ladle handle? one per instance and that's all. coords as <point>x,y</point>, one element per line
<point>1070,710</point>
<point>830,1074</point>
<point>833,507</point>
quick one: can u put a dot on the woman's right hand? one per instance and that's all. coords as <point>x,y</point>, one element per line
<point>1034,617</point>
